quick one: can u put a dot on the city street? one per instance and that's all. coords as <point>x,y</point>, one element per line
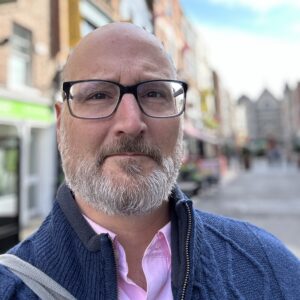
<point>267,196</point>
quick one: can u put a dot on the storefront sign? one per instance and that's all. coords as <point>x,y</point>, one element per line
<point>17,110</point>
<point>7,1</point>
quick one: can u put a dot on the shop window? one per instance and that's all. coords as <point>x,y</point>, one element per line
<point>20,64</point>
<point>8,168</point>
<point>9,190</point>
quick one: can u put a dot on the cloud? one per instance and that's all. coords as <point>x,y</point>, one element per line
<point>258,5</point>
<point>248,63</point>
<point>296,28</point>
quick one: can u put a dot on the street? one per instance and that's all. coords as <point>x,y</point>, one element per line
<point>267,196</point>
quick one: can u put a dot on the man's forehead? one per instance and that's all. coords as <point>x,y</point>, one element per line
<point>124,31</point>
<point>117,35</point>
<point>116,39</point>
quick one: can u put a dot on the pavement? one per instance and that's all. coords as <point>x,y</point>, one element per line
<point>267,196</point>
<point>33,225</point>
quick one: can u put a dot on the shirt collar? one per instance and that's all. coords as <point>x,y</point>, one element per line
<point>165,231</point>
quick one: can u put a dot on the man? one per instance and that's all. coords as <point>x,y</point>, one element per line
<point>120,227</point>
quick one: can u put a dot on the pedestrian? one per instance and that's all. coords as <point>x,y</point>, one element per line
<point>120,228</point>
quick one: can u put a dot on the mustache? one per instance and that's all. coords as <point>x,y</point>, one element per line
<point>128,144</point>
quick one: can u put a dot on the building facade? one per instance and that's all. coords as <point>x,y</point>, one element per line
<point>291,119</point>
<point>263,121</point>
<point>27,72</point>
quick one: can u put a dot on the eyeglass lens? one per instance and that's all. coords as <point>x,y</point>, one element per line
<point>99,99</point>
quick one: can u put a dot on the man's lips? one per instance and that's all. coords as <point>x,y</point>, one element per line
<point>127,154</point>
<point>129,148</point>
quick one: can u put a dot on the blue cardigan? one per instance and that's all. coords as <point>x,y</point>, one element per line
<point>212,257</point>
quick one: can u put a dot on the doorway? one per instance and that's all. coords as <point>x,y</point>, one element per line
<point>9,191</point>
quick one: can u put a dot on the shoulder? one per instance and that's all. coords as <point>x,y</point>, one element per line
<point>239,233</point>
<point>12,288</point>
<point>32,249</point>
<point>247,242</point>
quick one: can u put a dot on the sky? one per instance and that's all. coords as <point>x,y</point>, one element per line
<point>252,44</point>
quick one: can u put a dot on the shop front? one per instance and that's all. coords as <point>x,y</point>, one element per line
<point>28,160</point>
<point>9,188</point>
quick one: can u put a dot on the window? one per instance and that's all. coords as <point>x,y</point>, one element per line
<point>20,64</point>
<point>86,27</point>
<point>91,17</point>
<point>9,175</point>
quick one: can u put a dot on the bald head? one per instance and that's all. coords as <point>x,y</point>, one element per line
<point>116,42</point>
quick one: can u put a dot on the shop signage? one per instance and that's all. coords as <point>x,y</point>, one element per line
<point>17,110</point>
<point>7,1</point>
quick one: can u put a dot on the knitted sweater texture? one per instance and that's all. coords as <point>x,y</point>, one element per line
<point>213,257</point>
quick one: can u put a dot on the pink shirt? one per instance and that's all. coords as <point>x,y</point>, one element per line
<point>156,265</point>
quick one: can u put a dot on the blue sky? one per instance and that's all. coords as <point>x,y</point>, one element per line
<point>274,18</point>
<point>267,32</point>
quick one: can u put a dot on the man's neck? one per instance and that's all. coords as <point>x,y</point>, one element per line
<point>129,226</point>
<point>134,233</point>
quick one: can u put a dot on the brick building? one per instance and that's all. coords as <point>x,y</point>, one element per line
<point>30,43</point>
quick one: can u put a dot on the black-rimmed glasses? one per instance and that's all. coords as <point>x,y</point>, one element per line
<point>97,99</point>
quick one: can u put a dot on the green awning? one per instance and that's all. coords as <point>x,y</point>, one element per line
<point>17,110</point>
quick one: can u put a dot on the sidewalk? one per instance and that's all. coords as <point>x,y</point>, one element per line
<point>31,228</point>
<point>267,196</point>
<point>231,173</point>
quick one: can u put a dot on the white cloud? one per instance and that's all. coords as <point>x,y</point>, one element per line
<point>296,28</point>
<point>258,5</point>
<point>248,63</point>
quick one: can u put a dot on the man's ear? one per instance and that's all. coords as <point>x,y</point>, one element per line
<point>58,112</point>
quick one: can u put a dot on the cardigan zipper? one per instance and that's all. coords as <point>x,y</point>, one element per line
<point>187,257</point>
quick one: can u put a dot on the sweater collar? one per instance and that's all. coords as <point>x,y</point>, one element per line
<point>68,205</point>
<point>178,203</point>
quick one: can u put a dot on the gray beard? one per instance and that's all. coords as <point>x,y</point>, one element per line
<point>136,194</point>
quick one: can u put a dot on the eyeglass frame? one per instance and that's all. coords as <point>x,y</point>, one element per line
<point>124,89</point>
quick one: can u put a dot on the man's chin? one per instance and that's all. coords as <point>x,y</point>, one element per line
<point>128,168</point>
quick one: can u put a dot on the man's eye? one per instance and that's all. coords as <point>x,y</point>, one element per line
<point>154,94</point>
<point>98,96</point>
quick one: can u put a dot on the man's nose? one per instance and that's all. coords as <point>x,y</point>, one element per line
<point>129,119</point>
